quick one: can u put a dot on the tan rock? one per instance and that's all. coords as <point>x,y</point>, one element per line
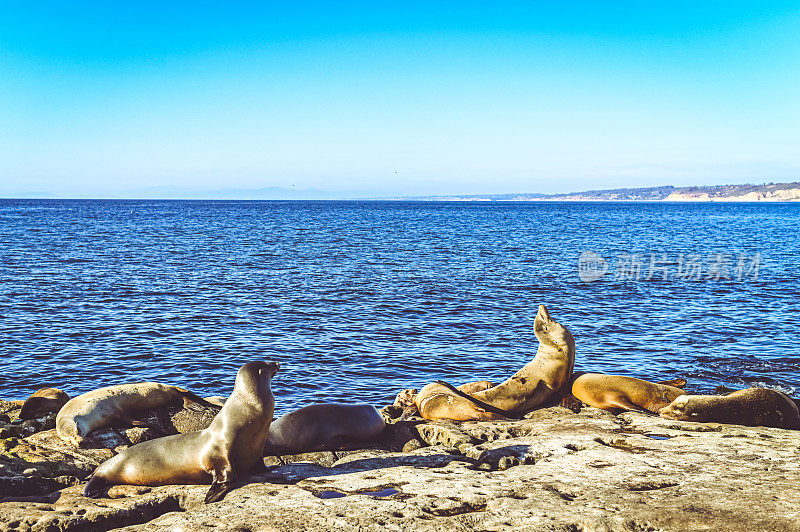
<point>554,471</point>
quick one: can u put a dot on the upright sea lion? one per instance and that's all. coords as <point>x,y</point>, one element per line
<point>230,447</point>
<point>100,408</point>
<point>323,426</point>
<point>42,402</point>
<point>545,377</point>
<point>616,392</point>
<point>753,406</point>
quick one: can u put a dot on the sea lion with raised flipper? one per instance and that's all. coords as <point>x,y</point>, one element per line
<point>230,447</point>
<point>544,378</point>
<point>102,407</point>
<point>752,406</point>
<point>617,392</point>
<point>323,427</point>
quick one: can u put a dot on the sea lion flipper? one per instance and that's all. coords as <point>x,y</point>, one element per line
<point>223,477</point>
<point>677,383</point>
<point>625,404</point>
<point>191,397</point>
<point>571,402</point>
<point>217,491</point>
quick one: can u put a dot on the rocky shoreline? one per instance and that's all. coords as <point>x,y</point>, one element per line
<point>553,470</point>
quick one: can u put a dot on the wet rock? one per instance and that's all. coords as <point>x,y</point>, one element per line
<point>22,428</point>
<point>7,407</point>
<point>46,453</point>
<point>444,433</point>
<point>27,485</point>
<point>43,402</point>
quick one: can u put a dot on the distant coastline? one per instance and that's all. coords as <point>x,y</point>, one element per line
<point>769,192</point>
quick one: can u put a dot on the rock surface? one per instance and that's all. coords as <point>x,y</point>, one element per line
<point>554,470</point>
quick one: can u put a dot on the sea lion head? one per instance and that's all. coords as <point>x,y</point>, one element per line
<point>550,332</point>
<point>678,409</point>
<point>254,378</point>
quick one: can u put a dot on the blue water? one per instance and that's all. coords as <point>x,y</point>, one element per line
<point>360,299</point>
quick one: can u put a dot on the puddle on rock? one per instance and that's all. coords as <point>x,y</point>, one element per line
<point>658,436</point>
<point>387,492</point>
<point>330,494</point>
<point>333,494</point>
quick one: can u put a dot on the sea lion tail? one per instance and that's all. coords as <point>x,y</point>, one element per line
<point>478,402</point>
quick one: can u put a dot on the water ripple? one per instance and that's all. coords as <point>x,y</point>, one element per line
<point>360,299</point>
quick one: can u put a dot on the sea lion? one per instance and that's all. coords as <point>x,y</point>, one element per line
<point>617,392</point>
<point>216,400</point>
<point>545,377</point>
<point>101,407</point>
<point>323,426</point>
<point>43,402</point>
<point>230,447</point>
<point>753,406</point>
<point>433,398</point>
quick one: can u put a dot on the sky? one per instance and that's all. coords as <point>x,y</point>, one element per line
<point>396,98</point>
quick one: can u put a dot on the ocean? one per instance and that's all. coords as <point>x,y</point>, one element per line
<point>358,300</point>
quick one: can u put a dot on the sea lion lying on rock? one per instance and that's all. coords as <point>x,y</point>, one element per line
<point>228,448</point>
<point>102,407</point>
<point>323,426</point>
<point>43,402</point>
<point>753,406</point>
<point>617,392</point>
<point>435,401</point>
<point>544,378</point>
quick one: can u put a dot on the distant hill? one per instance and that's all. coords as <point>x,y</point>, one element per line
<point>765,192</point>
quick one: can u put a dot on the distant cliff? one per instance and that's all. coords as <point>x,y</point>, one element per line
<point>765,192</point>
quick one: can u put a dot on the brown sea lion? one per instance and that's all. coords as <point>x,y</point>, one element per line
<point>544,378</point>
<point>617,392</point>
<point>102,407</point>
<point>323,426</point>
<point>230,447</point>
<point>434,398</point>
<point>43,402</point>
<point>440,400</point>
<point>753,406</point>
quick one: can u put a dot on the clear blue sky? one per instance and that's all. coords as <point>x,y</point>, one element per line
<point>397,97</point>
